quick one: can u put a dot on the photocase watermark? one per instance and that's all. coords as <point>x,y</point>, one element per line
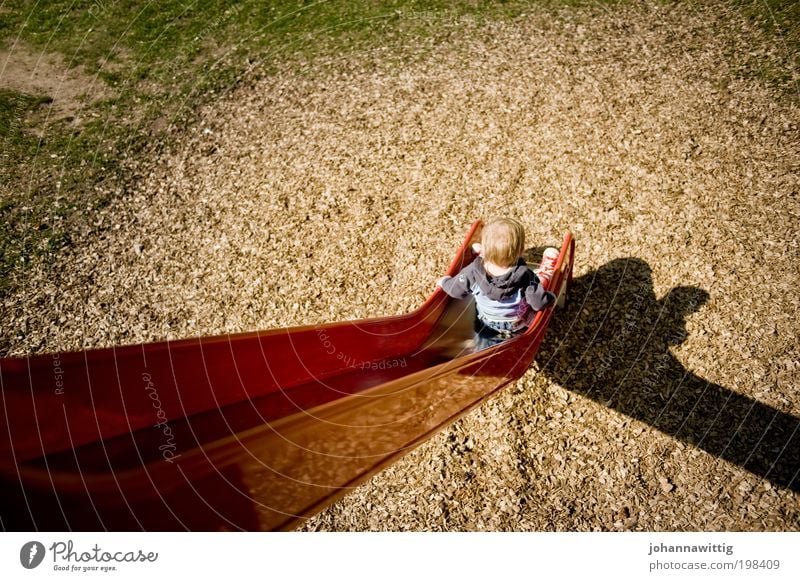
<point>169,447</point>
<point>354,362</point>
<point>97,7</point>
<point>58,374</point>
<point>434,16</point>
<point>31,554</point>
<point>67,558</point>
<point>616,350</point>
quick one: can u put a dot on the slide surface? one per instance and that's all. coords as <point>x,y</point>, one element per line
<point>254,431</point>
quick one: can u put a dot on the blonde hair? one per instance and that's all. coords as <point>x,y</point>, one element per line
<point>503,241</point>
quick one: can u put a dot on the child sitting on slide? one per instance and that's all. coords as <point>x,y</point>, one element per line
<point>507,293</point>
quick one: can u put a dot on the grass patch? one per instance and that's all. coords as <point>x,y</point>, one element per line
<point>157,61</point>
<point>780,20</point>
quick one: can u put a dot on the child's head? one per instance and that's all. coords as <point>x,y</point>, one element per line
<point>503,241</point>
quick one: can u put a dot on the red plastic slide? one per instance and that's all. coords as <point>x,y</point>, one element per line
<point>241,432</point>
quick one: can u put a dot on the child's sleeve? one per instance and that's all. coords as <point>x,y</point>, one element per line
<point>536,296</point>
<point>458,286</point>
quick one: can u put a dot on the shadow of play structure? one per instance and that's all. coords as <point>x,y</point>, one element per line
<point>612,344</point>
<point>258,431</point>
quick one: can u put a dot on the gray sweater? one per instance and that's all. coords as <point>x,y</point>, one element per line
<point>500,297</point>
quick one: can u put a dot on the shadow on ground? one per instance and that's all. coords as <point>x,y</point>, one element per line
<point>612,344</point>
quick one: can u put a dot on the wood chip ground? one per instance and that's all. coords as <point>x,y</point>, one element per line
<point>340,188</point>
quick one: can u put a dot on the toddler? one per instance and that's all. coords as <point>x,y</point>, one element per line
<point>506,291</point>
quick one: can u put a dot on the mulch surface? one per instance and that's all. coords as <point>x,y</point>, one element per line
<point>665,396</point>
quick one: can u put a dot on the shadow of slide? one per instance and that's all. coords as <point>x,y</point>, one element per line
<point>611,344</point>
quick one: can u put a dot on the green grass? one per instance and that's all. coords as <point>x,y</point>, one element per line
<point>159,60</point>
<point>780,19</point>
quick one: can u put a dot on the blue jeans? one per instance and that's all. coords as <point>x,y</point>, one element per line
<point>491,333</point>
